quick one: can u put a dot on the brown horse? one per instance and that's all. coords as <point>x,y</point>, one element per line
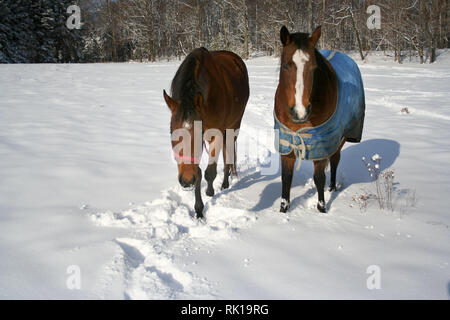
<point>319,105</point>
<point>209,94</point>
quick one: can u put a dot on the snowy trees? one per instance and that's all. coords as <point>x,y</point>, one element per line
<point>34,31</point>
<point>17,42</point>
<point>119,30</point>
<point>155,28</point>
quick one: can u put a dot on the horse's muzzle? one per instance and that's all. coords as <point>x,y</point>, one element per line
<point>294,115</point>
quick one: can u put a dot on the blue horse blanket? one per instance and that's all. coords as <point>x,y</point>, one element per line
<point>321,142</point>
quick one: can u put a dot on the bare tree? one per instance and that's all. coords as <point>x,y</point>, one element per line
<point>118,30</point>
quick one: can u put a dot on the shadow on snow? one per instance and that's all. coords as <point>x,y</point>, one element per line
<point>351,168</point>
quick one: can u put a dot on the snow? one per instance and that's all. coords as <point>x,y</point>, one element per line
<point>88,180</point>
<point>376,157</point>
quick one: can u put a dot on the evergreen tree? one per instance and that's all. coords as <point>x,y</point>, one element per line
<point>35,31</point>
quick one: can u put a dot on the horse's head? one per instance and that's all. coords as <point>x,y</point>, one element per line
<point>298,63</point>
<point>186,138</point>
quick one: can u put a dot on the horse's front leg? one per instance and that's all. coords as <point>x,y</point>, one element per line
<point>198,196</point>
<point>287,171</point>
<point>319,180</point>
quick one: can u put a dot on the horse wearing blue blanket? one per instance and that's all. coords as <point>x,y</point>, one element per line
<point>319,105</point>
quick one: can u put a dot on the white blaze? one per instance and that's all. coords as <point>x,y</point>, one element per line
<point>187,125</point>
<point>300,58</point>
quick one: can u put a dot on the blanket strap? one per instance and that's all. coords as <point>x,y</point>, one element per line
<point>299,150</point>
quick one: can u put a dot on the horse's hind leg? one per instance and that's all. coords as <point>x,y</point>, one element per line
<point>226,176</point>
<point>334,162</point>
<point>199,206</point>
<point>228,164</point>
<point>210,175</point>
<point>319,180</point>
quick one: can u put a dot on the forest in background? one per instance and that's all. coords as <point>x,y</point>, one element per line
<point>35,31</point>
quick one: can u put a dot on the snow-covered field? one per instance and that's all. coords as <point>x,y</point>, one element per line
<point>87,180</point>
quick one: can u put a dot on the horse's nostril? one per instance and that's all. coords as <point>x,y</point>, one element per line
<point>292,112</point>
<point>296,118</point>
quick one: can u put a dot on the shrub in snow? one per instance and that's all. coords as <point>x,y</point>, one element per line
<point>384,185</point>
<point>362,199</point>
<point>405,110</point>
<point>384,182</point>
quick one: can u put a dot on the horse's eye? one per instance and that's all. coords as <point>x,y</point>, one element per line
<point>285,66</point>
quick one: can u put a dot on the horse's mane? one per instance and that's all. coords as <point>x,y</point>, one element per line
<point>321,61</point>
<point>184,86</point>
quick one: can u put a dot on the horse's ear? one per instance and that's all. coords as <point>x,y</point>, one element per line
<point>170,102</point>
<point>285,36</point>
<point>315,36</point>
<point>198,102</point>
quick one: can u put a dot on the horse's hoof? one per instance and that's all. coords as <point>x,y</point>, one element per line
<point>225,186</point>
<point>332,188</point>
<point>210,192</point>
<point>322,207</point>
<point>199,215</point>
<point>284,209</point>
<point>285,205</point>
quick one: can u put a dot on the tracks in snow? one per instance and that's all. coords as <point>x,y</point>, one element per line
<point>163,233</point>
